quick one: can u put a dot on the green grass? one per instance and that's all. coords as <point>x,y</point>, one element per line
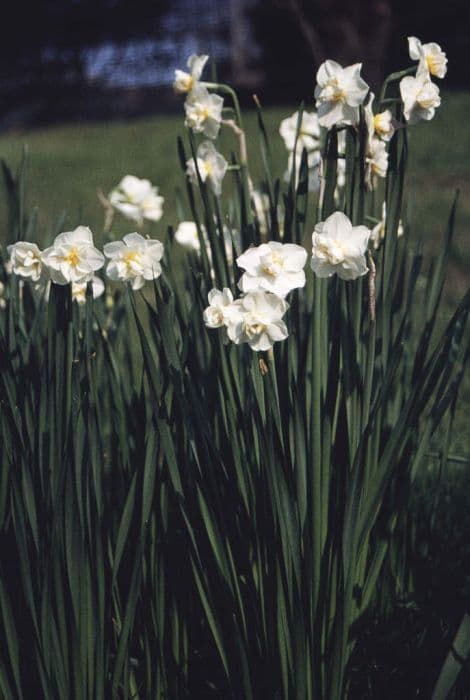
<point>69,163</point>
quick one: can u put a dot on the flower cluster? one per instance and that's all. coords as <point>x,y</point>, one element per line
<point>203,116</point>
<point>272,270</point>
<point>73,259</point>
<point>419,94</point>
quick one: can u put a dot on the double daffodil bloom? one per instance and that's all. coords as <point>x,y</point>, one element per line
<point>26,260</point>
<point>420,96</point>
<point>430,56</point>
<point>73,257</point>
<point>185,82</point>
<point>137,200</point>
<point>211,165</point>
<point>79,290</point>
<point>273,267</point>
<point>339,248</point>
<point>309,132</point>
<point>135,259</point>
<point>256,319</point>
<point>339,93</point>
<point>204,111</point>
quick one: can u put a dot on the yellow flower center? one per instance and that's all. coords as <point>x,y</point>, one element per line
<point>130,257</point>
<point>433,63</point>
<point>380,124</point>
<point>73,257</point>
<point>255,328</point>
<point>333,92</point>
<point>272,264</point>
<point>188,83</point>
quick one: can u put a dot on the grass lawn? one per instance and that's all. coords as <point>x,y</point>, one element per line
<point>69,163</point>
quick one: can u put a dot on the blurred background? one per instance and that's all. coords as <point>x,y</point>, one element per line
<point>94,59</point>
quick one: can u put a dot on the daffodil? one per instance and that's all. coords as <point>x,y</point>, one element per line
<point>135,259</point>
<point>309,132</point>
<point>26,260</point>
<point>73,257</point>
<point>211,165</point>
<point>204,111</point>
<point>376,160</point>
<point>256,319</point>
<point>339,93</point>
<point>273,267</point>
<point>420,96</point>
<point>187,235</point>
<point>380,125</point>
<point>217,314</point>
<point>185,82</point>
<point>79,290</point>
<point>137,199</point>
<point>339,248</point>
<point>431,56</point>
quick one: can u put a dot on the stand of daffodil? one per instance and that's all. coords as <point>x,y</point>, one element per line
<point>205,470</point>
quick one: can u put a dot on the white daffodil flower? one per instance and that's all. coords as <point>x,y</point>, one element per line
<point>26,260</point>
<point>339,93</point>
<point>211,165</point>
<point>339,248</point>
<point>135,259</point>
<point>431,56</point>
<point>378,232</point>
<point>79,290</point>
<point>313,165</point>
<point>380,125</point>
<point>420,96</point>
<point>137,199</point>
<point>73,257</point>
<point>187,235</point>
<point>204,111</point>
<point>309,132</point>
<point>256,319</point>
<point>185,82</point>
<point>220,309</point>
<point>273,267</point>
<point>376,161</point>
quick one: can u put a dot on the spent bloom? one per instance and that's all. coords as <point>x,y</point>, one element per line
<point>339,248</point>
<point>137,199</point>
<point>339,93</point>
<point>309,131</point>
<point>135,259</point>
<point>256,319</point>
<point>185,82</point>
<point>211,165</point>
<point>72,257</point>
<point>273,267</point>
<point>420,96</point>
<point>3,302</point>
<point>431,56</point>
<point>204,111</point>
<point>26,260</point>
<point>79,290</point>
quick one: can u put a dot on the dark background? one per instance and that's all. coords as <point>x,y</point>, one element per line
<point>66,60</point>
